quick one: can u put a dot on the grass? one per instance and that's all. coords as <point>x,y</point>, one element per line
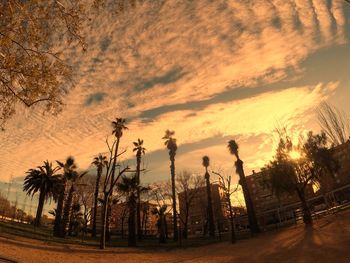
<point>10,229</point>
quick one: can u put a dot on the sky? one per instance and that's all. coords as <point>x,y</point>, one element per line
<point>209,70</point>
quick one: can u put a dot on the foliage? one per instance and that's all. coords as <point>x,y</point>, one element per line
<point>285,174</point>
<point>33,36</point>
<point>334,122</point>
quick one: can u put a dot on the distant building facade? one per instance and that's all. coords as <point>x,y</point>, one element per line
<point>336,189</point>
<point>120,216</point>
<point>268,207</point>
<point>198,211</point>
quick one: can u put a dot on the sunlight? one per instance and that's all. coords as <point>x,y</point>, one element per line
<point>295,155</point>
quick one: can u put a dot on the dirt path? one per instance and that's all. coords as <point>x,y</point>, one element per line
<point>327,241</point>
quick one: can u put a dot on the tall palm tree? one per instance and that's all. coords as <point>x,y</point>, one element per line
<point>100,162</point>
<point>206,163</point>
<point>140,150</point>
<point>68,170</point>
<point>129,187</point>
<point>44,180</point>
<point>118,126</point>
<point>253,223</point>
<point>171,145</point>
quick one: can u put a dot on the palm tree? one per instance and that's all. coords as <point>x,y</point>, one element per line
<point>68,204</point>
<point>68,169</point>
<point>171,145</point>
<point>253,223</point>
<point>161,222</point>
<point>129,187</point>
<point>100,162</point>
<point>118,127</point>
<point>140,150</point>
<point>44,180</point>
<point>206,163</point>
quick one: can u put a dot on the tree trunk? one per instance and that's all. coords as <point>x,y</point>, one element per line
<point>210,206</point>
<point>172,169</point>
<point>94,232</point>
<point>307,217</point>
<point>103,225</point>
<point>108,233</point>
<point>59,210</point>
<point>253,223</point>
<point>163,229</point>
<point>138,205</point>
<point>131,222</point>
<point>233,234</point>
<point>39,210</point>
<point>67,211</point>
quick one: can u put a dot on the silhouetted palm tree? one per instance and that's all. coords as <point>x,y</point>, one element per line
<point>161,222</point>
<point>100,162</point>
<point>140,150</point>
<point>68,204</point>
<point>118,127</point>
<point>68,169</point>
<point>253,223</point>
<point>44,180</point>
<point>206,163</point>
<point>129,187</point>
<point>171,145</point>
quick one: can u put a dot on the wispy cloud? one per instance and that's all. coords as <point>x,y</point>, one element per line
<point>197,67</point>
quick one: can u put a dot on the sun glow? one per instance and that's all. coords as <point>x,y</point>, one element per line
<point>295,155</point>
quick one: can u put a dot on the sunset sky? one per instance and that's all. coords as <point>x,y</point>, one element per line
<point>210,70</point>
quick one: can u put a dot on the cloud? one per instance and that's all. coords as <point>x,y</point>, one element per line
<point>203,68</point>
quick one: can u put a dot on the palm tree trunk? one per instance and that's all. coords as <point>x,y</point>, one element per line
<point>103,225</point>
<point>94,232</point>
<point>253,223</point>
<point>138,205</point>
<point>131,222</point>
<point>59,210</point>
<point>172,169</point>
<point>108,233</point>
<point>233,234</point>
<point>210,206</point>
<point>163,229</point>
<point>39,210</point>
<point>67,211</point>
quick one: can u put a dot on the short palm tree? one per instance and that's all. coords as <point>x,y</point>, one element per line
<point>161,222</point>
<point>129,187</point>
<point>68,170</point>
<point>253,223</point>
<point>140,150</point>
<point>100,162</point>
<point>171,145</point>
<point>68,204</point>
<point>206,163</point>
<point>44,181</point>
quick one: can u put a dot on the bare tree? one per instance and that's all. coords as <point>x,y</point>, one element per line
<point>225,184</point>
<point>188,185</point>
<point>85,197</point>
<point>109,183</point>
<point>334,122</point>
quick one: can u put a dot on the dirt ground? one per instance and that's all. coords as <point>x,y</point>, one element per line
<point>327,241</point>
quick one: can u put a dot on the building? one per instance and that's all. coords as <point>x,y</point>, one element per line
<point>336,189</point>
<point>268,207</point>
<point>198,218</point>
<point>120,216</point>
